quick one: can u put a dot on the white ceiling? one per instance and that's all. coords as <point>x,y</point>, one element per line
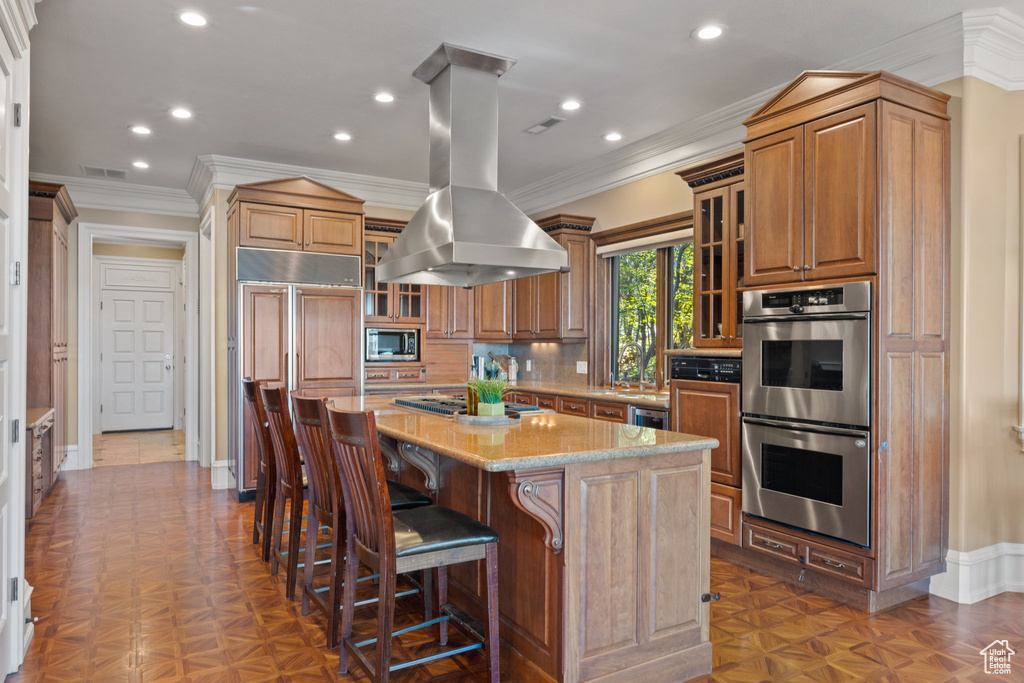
<point>272,80</point>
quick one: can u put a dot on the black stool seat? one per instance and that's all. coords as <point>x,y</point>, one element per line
<point>433,528</point>
<point>404,497</point>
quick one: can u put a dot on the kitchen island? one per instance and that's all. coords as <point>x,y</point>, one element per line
<point>604,552</point>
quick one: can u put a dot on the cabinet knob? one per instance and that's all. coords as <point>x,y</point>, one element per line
<point>796,269</point>
<point>807,267</point>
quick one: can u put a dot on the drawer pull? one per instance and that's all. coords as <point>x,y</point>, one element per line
<point>609,412</point>
<point>837,565</point>
<point>37,491</point>
<point>774,546</point>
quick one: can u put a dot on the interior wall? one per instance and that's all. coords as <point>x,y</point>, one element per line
<point>105,217</point>
<point>137,251</point>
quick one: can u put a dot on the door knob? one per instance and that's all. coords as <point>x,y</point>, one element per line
<point>168,367</point>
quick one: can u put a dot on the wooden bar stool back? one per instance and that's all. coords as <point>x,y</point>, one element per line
<point>401,542</point>
<point>326,506</point>
<point>289,484</point>
<point>266,470</point>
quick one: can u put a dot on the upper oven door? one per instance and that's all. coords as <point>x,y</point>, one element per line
<point>808,368</point>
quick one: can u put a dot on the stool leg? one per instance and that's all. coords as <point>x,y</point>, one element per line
<point>385,620</point>
<point>257,516</point>
<point>270,505</point>
<point>277,531</point>
<point>337,574</point>
<point>442,600</point>
<point>294,533</point>
<point>312,534</point>
<point>491,629</point>
<point>349,598</point>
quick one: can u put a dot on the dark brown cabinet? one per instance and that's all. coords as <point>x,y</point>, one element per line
<point>493,319</point>
<point>556,306</point>
<point>812,200</point>
<point>449,312</point>
<point>401,304</point>
<point>46,277</point>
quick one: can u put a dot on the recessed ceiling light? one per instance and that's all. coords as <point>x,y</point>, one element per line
<point>510,272</point>
<point>192,18</point>
<point>570,105</point>
<point>709,32</point>
<point>140,164</point>
<point>384,97</point>
<point>181,113</point>
<point>613,137</point>
<point>344,137</point>
<point>141,130</point>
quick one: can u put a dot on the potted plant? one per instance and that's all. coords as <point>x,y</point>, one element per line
<point>490,395</point>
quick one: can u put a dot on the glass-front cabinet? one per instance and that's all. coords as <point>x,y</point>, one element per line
<point>718,257</point>
<point>383,302</point>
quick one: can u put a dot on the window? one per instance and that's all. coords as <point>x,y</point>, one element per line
<point>635,311</point>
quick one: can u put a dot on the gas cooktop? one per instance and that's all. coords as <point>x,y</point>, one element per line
<point>446,405</point>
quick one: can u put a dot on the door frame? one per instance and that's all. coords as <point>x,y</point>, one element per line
<point>88,234</point>
<point>175,268</point>
<point>207,434</point>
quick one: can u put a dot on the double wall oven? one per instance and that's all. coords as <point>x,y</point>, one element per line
<point>807,408</point>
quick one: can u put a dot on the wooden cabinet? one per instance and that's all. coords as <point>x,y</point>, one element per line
<point>609,412</point>
<point>573,406</point>
<point>46,278</point>
<point>719,241</point>
<point>407,373</point>
<point>401,304</point>
<point>447,360</point>
<point>802,553</point>
<point>449,312</point>
<point>38,448</point>
<point>556,306</point>
<point>812,199</point>
<point>327,335</point>
<point>493,304</point>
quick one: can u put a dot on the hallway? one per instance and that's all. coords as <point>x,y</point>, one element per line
<point>138,448</point>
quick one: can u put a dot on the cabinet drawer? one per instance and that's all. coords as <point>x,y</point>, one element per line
<point>837,563</point>
<point>546,402</point>
<point>523,399</point>
<point>378,375</point>
<point>772,543</point>
<point>610,412</point>
<point>416,375</point>
<point>726,503</point>
<point>573,406</point>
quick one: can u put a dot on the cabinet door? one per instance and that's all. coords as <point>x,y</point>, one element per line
<point>726,507</point>
<point>547,303</point>
<point>524,292</point>
<point>711,409</point>
<point>264,345</point>
<point>326,338</point>
<point>460,313</point>
<point>774,177</point>
<point>732,303</point>
<point>575,303</point>
<point>270,227</point>
<point>839,194</point>
<point>409,302</point>
<point>327,232</point>
<point>438,317</point>
<point>377,302</point>
<point>711,269</point>
<point>493,305</point>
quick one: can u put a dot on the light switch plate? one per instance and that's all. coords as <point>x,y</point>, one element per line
<point>529,365</point>
<point>581,367</point>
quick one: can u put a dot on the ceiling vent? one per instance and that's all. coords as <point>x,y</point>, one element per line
<point>100,172</point>
<point>544,125</point>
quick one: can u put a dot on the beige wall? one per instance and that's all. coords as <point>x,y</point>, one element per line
<point>137,251</point>
<point>986,464</point>
<point>143,221</point>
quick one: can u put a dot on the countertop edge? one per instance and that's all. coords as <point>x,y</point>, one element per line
<point>589,393</point>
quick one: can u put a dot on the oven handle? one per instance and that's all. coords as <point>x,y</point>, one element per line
<point>798,427</point>
<point>804,318</point>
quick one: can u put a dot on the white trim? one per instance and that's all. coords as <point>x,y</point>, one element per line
<point>994,47</point>
<point>93,193</point>
<point>73,462</point>
<point>87,234</point>
<point>207,250</point>
<point>213,171</point>
<point>220,475</point>
<point>982,573</point>
<point>17,18</point>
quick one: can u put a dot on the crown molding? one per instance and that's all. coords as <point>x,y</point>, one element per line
<point>92,193</point>
<point>17,17</point>
<point>994,47</point>
<point>213,171</point>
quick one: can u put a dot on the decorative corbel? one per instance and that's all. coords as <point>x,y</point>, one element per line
<point>540,494</point>
<point>389,449</point>
<point>426,461</point>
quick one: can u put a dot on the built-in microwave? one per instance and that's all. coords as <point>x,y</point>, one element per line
<point>392,346</point>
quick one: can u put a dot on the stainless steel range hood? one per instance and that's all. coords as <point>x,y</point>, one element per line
<point>466,233</point>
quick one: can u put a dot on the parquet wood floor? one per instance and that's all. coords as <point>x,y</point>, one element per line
<point>145,574</point>
<point>137,448</point>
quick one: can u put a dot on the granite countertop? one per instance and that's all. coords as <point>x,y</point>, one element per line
<point>542,440</point>
<point>645,399</point>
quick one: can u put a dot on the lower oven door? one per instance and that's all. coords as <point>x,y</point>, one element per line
<point>814,478</point>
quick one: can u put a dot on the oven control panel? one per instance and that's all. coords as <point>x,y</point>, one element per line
<point>831,296</point>
<point>707,369</point>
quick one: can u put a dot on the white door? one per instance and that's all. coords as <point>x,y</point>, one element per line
<point>136,360</point>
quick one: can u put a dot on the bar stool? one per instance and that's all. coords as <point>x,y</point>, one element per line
<point>289,485</point>
<point>399,543</point>
<point>266,471</point>
<point>326,509</point>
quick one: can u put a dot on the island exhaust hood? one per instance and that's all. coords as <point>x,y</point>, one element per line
<point>466,233</point>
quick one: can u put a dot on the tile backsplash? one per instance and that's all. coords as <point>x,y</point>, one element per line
<point>551,362</point>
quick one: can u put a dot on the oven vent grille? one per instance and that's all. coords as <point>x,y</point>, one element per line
<point>100,172</point>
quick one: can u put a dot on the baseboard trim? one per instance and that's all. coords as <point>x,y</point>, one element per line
<point>220,475</point>
<point>74,461</point>
<point>973,576</point>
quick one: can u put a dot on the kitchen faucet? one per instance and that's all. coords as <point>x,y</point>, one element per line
<point>643,364</point>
